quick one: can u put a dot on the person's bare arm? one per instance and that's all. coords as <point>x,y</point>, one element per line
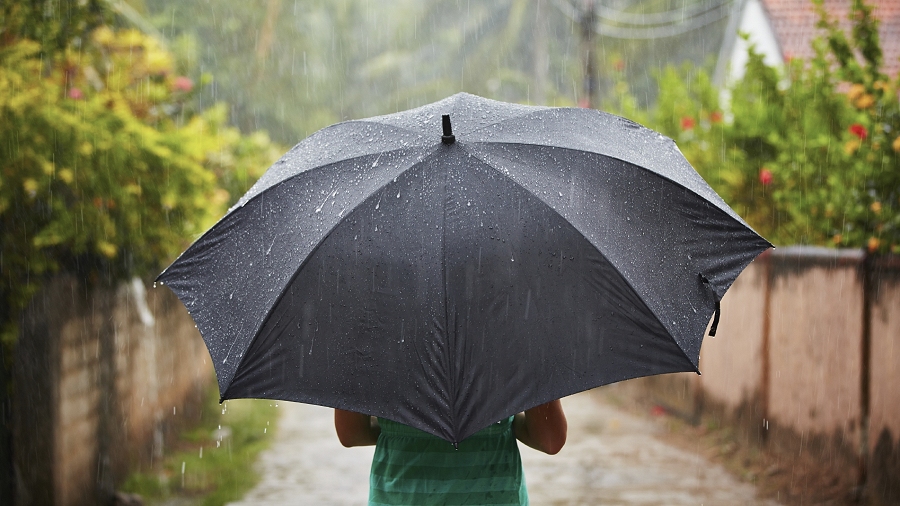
<point>355,429</point>
<point>543,427</point>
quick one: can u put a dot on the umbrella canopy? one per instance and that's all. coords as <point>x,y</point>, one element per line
<point>448,279</point>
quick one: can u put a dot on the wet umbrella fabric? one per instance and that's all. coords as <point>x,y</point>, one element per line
<point>447,283</point>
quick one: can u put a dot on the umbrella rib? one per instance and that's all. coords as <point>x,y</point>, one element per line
<point>627,281</point>
<point>534,110</point>
<point>372,121</point>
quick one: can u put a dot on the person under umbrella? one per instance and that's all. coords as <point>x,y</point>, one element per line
<point>413,467</point>
<point>444,282</point>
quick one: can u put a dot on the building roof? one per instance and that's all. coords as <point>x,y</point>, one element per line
<point>794,24</point>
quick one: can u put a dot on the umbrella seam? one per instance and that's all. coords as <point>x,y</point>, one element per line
<point>371,121</point>
<point>451,379</point>
<point>535,109</point>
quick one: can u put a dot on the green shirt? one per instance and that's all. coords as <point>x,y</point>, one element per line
<point>414,468</point>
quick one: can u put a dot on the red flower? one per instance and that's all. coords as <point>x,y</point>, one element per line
<point>715,116</point>
<point>619,65</point>
<point>75,94</point>
<point>183,84</point>
<point>687,123</point>
<point>765,176</point>
<point>859,131</point>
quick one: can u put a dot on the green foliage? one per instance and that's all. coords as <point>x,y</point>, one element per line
<point>104,167</point>
<point>55,24</point>
<point>212,463</point>
<point>808,155</point>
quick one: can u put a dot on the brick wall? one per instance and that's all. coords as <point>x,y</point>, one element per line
<point>101,374</point>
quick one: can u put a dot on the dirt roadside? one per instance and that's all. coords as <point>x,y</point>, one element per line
<point>789,477</point>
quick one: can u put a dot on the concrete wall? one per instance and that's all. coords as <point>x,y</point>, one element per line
<point>815,361</point>
<point>732,369</point>
<point>100,375</point>
<point>884,381</point>
<point>807,355</point>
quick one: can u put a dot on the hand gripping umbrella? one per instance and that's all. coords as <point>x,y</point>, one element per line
<point>448,276</point>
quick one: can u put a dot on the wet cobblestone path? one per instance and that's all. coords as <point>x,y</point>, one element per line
<point>610,458</point>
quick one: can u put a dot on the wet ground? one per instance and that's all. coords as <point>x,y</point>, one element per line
<point>611,458</point>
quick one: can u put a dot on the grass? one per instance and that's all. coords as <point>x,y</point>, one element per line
<point>212,464</point>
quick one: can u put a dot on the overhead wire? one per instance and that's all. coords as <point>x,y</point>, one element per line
<point>653,25</point>
<point>662,31</point>
<point>675,16</point>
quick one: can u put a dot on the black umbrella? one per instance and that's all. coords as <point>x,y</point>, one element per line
<point>447,282</point>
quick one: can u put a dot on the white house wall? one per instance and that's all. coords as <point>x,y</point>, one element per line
<point>755,23</point>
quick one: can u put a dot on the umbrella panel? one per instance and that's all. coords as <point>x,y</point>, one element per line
<point>230,278</point>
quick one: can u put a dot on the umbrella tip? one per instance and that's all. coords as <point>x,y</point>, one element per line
<point>448,137</point>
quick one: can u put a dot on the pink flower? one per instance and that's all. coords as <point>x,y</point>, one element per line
<point>75,94</point>
<point>183,83</point>
<point>859,131</point>
<point>619,65</point>
<point>715,116</point>
<point>765,176</point>
<point>687,123</point>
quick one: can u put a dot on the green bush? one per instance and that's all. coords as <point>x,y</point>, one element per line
<point>105,169</point>
<point>809,154</point>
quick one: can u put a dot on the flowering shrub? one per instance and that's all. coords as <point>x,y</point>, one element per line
<point>104,168</point>
<point>810,154</point>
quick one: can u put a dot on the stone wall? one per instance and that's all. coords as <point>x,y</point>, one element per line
<point>807,355</point>
<point>100,375</point>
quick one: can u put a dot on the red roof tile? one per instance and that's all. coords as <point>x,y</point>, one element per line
<point>794,23</point>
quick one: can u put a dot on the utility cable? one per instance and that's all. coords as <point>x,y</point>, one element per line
<point>658,18</point>
<point>672,26</point>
